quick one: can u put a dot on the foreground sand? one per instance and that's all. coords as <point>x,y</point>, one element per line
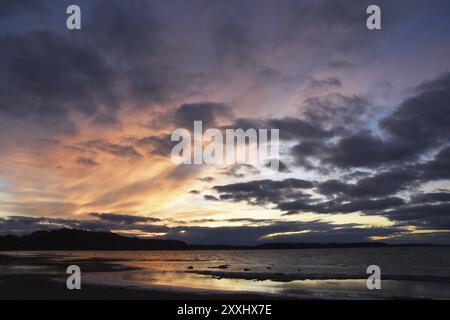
<point>18,287</point>
<point>50,286</point>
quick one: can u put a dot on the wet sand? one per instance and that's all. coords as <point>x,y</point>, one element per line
<point>286,277</point>
<point>49,284</point>
<point>198,276</point>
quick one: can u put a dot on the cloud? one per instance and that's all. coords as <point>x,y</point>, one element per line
<point>381,184</point>
<point>86,78</point>
<point>240,170</point>
<point>87,162</point>
<point>210,197</point>
<point>423,118</point>
<point>370,195</point>
<point>282,167</point>
<point>315,86</point>
<point>12,7</point>
<point>176,66</point>
<point>111,148</point>
<point>25,225</point>
<point>122,218</point>
<point>339,206</point>
<point>156,145</point>
<point>438,168</point>
<point>431,197</point>
<point>77,80</point>
<point>270,231</point>
<point>345,154</point>
<point>207,112</point>
<point>262,191</point>
<point>432,216</point>
<point>419,124</point>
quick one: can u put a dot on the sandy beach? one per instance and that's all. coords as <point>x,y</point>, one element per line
<point>40,278</point>
<point>206,274</point>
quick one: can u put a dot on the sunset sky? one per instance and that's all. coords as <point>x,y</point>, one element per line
<point>364,119</point>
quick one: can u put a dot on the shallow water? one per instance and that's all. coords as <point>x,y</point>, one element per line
<point>406,272</point>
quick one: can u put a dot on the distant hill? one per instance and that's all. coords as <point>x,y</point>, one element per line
<point>72,239</point>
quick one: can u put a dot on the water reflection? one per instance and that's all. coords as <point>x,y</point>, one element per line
<point>311,289</point>
<point>321,273</point>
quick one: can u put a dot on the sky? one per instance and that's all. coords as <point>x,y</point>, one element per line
<point>364,119</point>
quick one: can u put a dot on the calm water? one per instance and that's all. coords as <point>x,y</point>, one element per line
<point>313,273</point>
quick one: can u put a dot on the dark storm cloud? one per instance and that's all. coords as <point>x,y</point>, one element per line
<point>319,26</point>
<point>88,73</point>
<point>156,145</point>
<point>262,191</point>
<point>290,128</point>
<point>347,152</point>
<point>130,35</point>
<point>76,80</point>
<point>314,231</point>
<point>371,195</point>
<point>326,117</point>
<point>122,218</point>
<point>367,205</point>
<point>382,184</point>
<point>231,34</point>
<point>282,167</point>
<point>210,197</point>
<point>11,7</point>
<point>433,216</point>
<point>419,124</point>
<point>290,183</point>
<point>431,197</point>
<point>130,53</point>
<point>133,25</point>
<point>336,110</point>
<point>438,168</point>
<point>243,234</point>
<point>335,22</point>
<point>207,112</point>
<point>424,118</point>
<point>338,206</point>
<point>49,78</point>
<point>332,131</point>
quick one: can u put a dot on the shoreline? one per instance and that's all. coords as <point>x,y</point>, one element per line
<point>94,265</point>
<point>42,287</point>
<point>32,277</point>
<point>50,285</point>
<point>287,277</point>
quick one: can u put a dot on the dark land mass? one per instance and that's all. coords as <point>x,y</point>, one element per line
<point>72,239</point>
